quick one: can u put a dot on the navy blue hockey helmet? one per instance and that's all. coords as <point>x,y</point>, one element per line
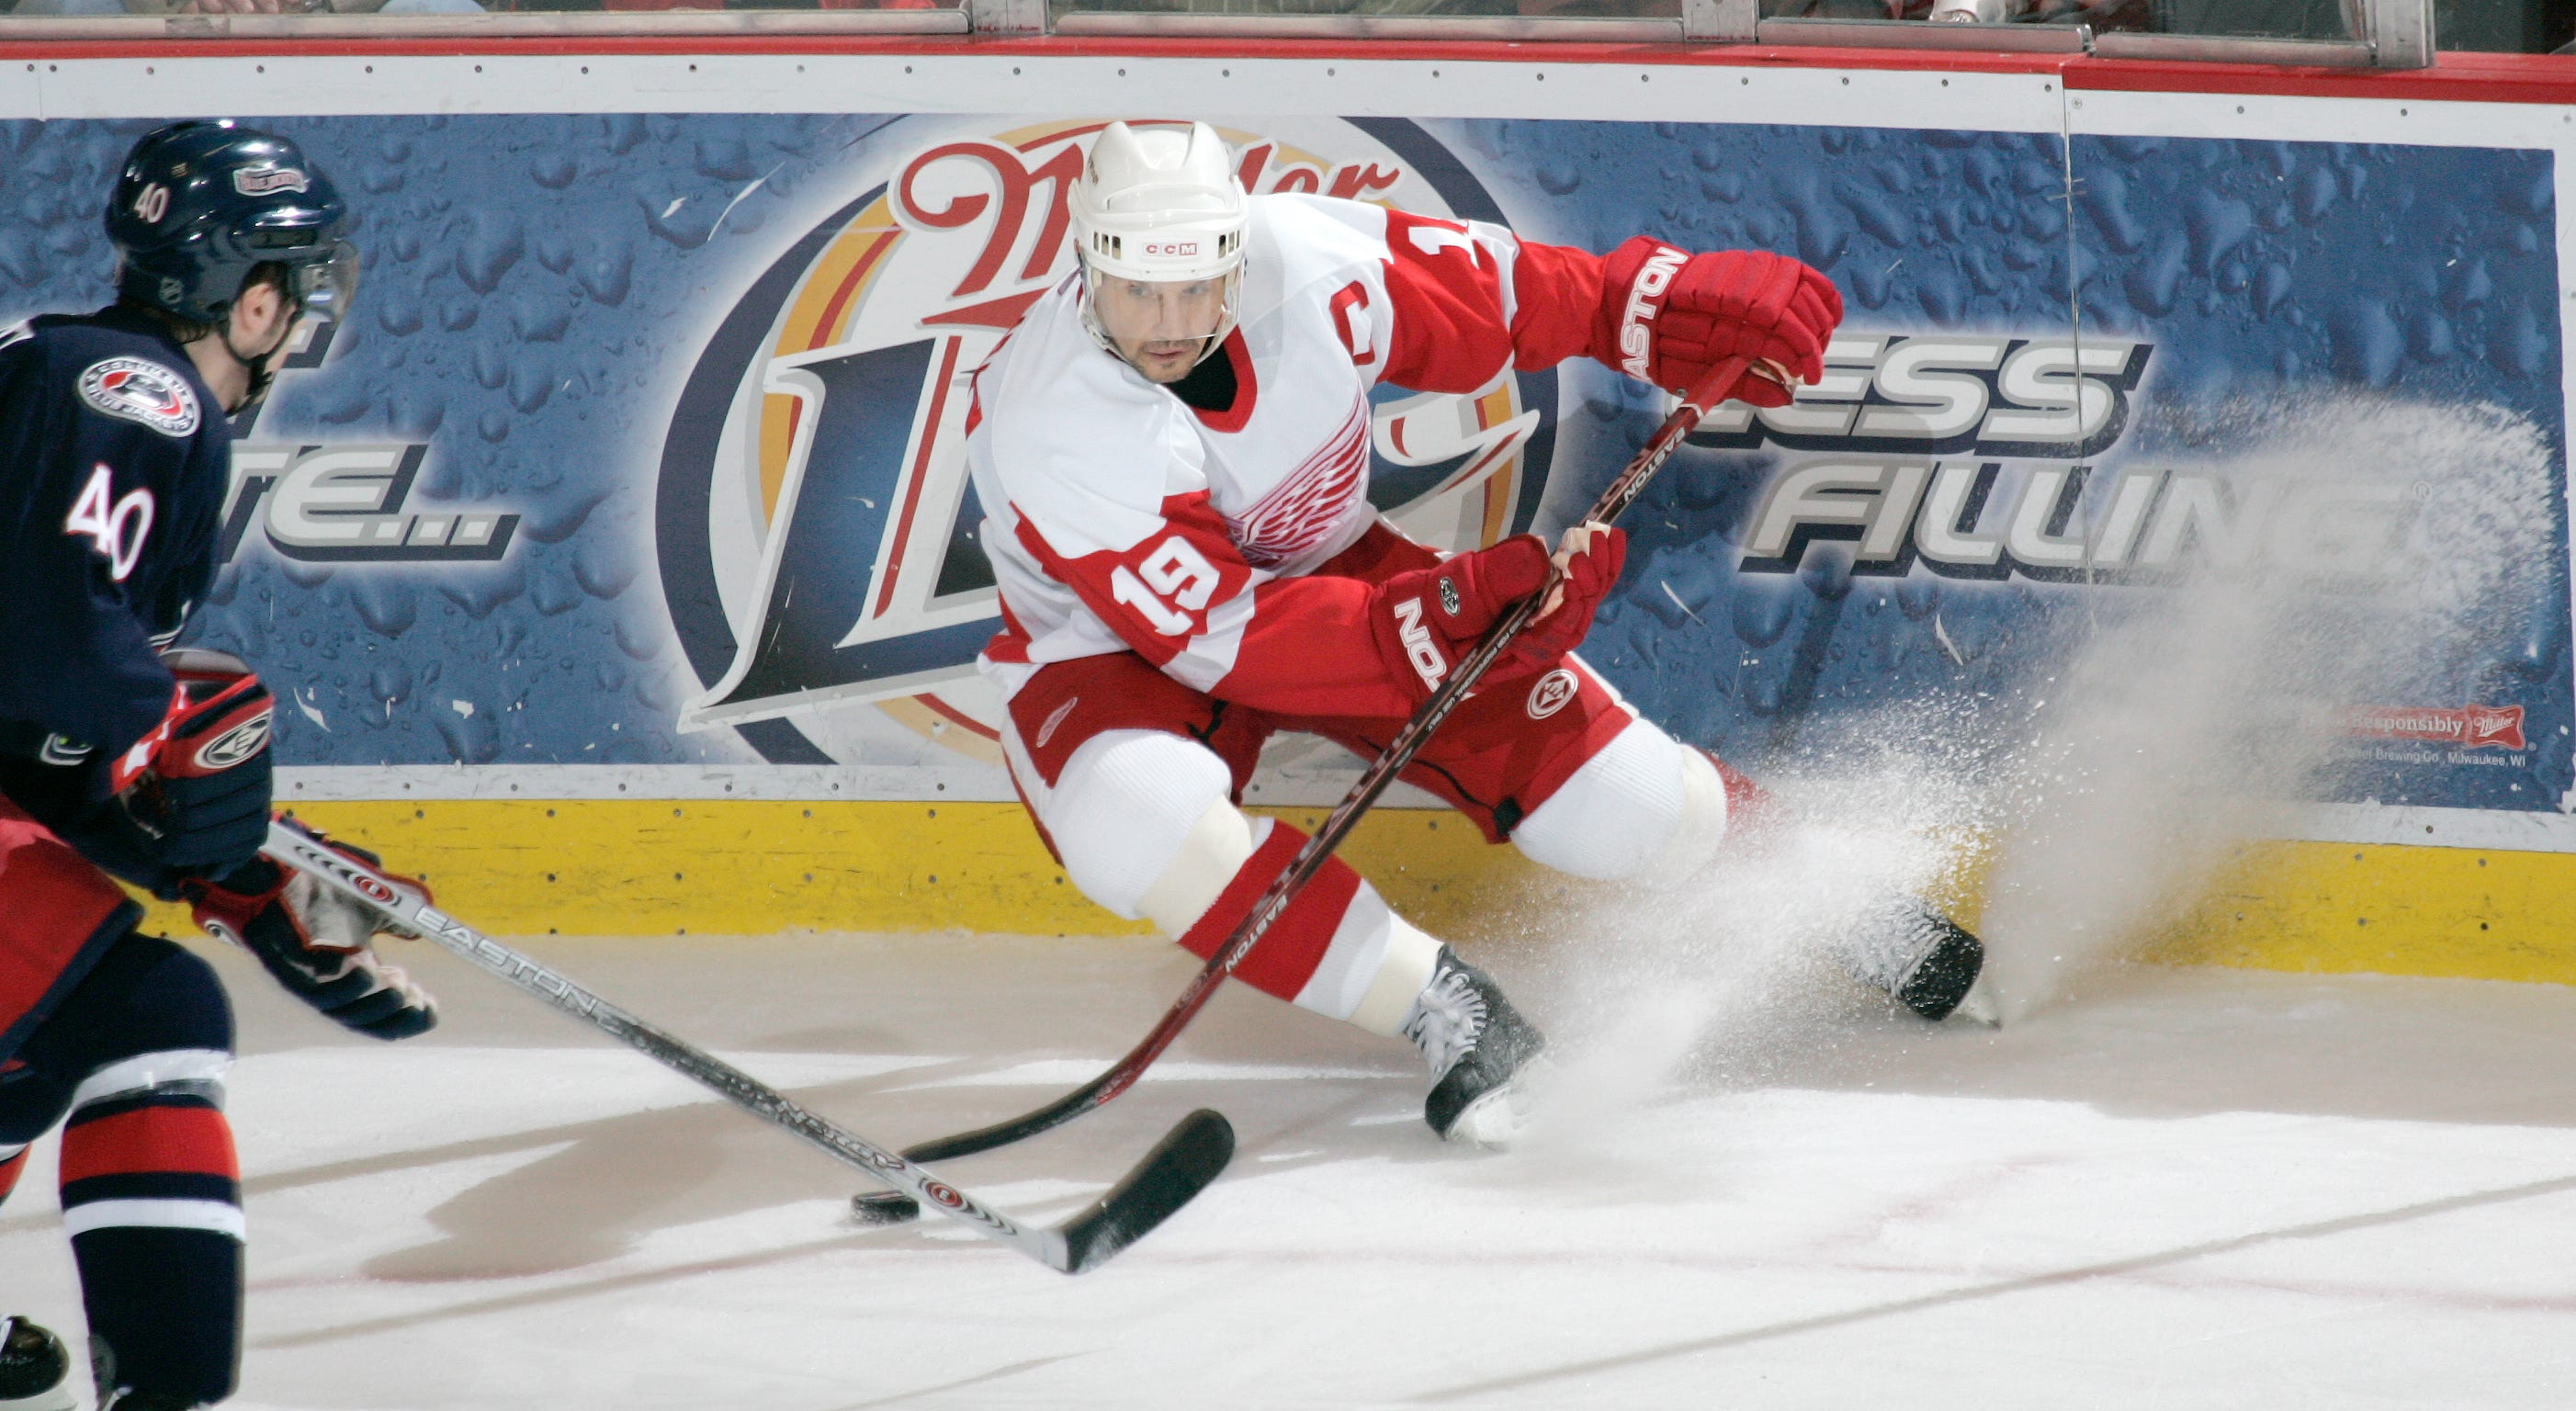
<point>200,204</point>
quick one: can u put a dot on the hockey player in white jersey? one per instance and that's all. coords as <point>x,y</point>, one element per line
<point>1172,450</point>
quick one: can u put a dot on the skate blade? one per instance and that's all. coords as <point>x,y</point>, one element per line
<point>1502,1117</point>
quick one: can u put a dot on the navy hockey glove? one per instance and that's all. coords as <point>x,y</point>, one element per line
<point>315,942</point>
<point>197,786</point>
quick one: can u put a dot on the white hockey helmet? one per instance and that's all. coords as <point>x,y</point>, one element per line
<point>1160,203</point>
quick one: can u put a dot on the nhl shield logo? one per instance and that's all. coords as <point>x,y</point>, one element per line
<point>816,530</point>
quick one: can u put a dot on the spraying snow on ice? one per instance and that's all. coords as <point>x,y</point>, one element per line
<point>2369,547</point>
<point>2177,735</point>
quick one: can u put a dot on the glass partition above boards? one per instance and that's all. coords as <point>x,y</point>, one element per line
<point>2388,33</point>
<point>2383,33</point>
<point>2239,19</point>
<point>324,16</point>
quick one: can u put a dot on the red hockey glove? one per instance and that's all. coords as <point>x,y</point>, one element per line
<point>1668,316</point>
<point>1431,618</point>
<point>315,942</point>
<point>1592,554</point>
<point>197,785</point>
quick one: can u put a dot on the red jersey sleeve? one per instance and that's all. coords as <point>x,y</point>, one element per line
<point>1465,299</point>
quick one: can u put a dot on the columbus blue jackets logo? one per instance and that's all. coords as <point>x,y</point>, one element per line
<point>816,530</point>
<point>140,390</point>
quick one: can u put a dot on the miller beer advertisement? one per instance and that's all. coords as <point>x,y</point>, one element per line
<point>645,443</point>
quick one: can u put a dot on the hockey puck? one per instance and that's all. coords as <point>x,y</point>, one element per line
<point>883,1208</point>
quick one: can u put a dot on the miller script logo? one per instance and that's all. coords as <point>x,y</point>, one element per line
<point>816,530</point>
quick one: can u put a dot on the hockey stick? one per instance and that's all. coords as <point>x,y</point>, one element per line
<point>1622,492</point>
<point>1180,1166</point>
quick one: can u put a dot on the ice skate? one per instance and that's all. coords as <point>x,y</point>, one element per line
<point>1481,1051</point>
<point>35,1371</point>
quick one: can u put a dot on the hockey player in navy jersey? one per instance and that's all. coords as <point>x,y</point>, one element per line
<point>121,758</point>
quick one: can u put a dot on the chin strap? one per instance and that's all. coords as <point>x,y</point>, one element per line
<point>261,373</point>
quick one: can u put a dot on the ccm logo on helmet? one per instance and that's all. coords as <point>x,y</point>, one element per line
<point>1171,247</point>
<point>234,745</point>
<point>260,181</point>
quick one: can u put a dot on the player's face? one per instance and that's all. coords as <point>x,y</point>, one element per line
<point>1160,326</point>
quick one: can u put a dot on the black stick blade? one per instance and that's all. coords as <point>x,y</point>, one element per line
<point>1193,1155</point>
<point>1182,1165</point>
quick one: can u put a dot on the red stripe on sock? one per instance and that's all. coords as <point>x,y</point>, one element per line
<point>195,1140</point>
<point>10,1171</point>
<point>1748,805</point>
<point>1294,945</point>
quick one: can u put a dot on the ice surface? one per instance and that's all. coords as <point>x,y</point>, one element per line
<point>2189,1189</point>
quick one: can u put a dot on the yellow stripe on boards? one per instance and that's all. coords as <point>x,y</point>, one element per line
<point>621,867</point>
<point>2390,910</point>
<point>634,867</point>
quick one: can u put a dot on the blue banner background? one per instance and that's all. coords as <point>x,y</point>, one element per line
<point>538,288</point>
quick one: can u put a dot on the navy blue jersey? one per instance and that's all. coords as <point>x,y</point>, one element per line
<point>114,458</point>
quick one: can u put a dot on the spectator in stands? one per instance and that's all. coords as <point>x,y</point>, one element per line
<point>95,9</point>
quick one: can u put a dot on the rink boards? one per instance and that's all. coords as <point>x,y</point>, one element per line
<point>617,568</point>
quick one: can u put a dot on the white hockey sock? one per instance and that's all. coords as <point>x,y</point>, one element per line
<point>1377,963</point>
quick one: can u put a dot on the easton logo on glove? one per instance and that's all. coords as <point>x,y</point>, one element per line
<point>1668,316</point>
<point>1475,590</point>
<point>1645,298</point>
<point>1418,646</point>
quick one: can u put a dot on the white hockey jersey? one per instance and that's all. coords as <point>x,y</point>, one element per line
<point>1119,518</point>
